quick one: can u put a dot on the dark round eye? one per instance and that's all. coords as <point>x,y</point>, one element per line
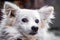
<point>24,20</point>
<point>37,21</point>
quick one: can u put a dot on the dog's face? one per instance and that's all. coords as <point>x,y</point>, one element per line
<point>28,20</point>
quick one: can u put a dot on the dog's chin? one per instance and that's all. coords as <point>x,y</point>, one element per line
<point>32,33</point>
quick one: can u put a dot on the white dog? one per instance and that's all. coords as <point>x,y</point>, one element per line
<point>18,21</point>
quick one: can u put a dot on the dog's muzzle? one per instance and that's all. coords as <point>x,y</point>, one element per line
<point>34,30</point>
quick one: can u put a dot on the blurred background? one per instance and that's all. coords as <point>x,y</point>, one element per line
<point>36,4</point>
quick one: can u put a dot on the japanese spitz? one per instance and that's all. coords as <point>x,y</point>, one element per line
<point>17,22</point>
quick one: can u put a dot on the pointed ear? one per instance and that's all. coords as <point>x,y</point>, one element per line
<point>46,11</point>
<point>10,7</point>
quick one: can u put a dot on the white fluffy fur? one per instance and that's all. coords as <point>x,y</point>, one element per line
<point>45,13</point>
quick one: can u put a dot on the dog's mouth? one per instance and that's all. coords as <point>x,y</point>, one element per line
<point>33,33</point>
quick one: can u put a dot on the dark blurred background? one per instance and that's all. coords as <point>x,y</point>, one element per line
<point>36,4</point>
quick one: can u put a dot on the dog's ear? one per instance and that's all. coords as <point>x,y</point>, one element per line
<point>10,8</point>
<point>46,11</point>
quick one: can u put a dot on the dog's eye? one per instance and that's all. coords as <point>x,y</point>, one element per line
<point>24,20</point>
<point>37,21</point>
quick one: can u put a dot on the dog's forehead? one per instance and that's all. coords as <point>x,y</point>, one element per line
<point>27,12</point>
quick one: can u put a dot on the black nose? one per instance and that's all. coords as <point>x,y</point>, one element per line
<point>19,39</point>
<point>35,29</point>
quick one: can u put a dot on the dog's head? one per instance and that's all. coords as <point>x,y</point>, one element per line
<point>28,20</point>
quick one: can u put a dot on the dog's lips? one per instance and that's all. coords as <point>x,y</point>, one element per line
<point>33,33</point>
